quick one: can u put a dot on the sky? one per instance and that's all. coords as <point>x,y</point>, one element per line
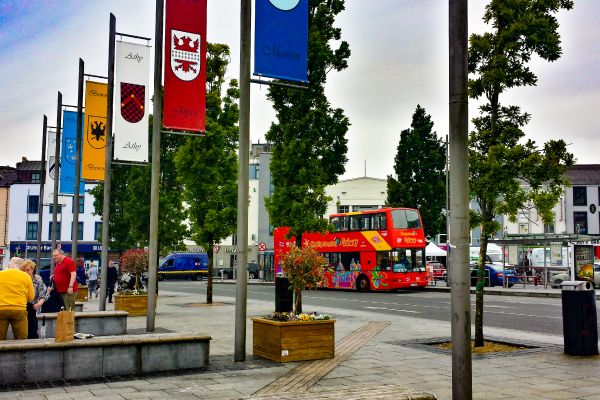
<point>399,59</point>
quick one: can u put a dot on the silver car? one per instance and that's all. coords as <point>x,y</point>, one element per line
<point>557,279</point>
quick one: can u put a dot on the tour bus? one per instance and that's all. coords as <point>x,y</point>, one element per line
<point>367,250</point>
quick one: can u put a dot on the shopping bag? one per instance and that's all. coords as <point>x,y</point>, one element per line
<point>65,326</point>
<point>42,329</point>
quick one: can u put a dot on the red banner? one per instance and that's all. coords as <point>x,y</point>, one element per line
<point>185,65</point>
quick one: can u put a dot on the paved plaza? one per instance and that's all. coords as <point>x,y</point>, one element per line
<point>397,362</point>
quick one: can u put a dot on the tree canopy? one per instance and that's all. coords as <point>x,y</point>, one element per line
<point>420,180</point>
<point>309,142</point>
<point>509,174</point>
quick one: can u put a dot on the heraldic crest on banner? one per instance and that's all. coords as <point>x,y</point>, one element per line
<point>96,132</point>
<point>132,102</point>
<point>185,54</point>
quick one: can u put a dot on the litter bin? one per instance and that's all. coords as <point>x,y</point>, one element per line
<point>580,326</point>
<point>284,299</point>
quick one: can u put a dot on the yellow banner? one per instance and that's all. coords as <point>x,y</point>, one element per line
<point>94,141</point>
<point>376,240</point>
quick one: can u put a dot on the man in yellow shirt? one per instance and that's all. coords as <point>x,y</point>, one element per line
<point>16,289</point>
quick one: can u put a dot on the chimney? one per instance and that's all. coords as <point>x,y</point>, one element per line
<point>23,159</point>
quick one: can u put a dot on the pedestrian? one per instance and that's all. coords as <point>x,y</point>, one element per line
<point>92,279</point>
<point>39,298</point>
<point>80,272</point>
<point>65,282</point>
<point>16,289</point>
<point>111,280</point>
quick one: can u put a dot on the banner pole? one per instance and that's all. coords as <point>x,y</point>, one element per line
<point>56,176</point>
<point>242,201</point>
<point>41,198</point>
<point>75,230</point>
<point>154,180</point>
<point>107,160</point>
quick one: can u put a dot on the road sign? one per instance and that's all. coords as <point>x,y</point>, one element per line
<point>262,247</point>
<point>216,248</point>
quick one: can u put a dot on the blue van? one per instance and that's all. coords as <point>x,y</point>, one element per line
<point>184,265</point>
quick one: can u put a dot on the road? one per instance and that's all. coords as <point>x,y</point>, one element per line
<point>532,314</point>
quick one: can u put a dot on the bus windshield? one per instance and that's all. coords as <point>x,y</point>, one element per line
<point>406,219</point>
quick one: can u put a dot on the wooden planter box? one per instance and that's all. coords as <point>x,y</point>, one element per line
<point>135,304</point>
<point>82,293</point>
<point>293,341</point>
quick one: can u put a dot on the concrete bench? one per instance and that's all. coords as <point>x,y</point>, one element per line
<point>27,361</point>
<point>98,323</point>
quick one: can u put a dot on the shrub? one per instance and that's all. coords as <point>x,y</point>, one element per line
<point>304,268</point>
<point>134,262</point>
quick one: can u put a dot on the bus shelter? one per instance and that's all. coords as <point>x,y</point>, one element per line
<point>540,255</point>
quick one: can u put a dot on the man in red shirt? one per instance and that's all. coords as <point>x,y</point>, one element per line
<point>65,282</point>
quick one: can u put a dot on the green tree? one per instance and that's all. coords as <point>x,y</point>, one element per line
<point>309,138</point>
<point>501,160</point>
<point>420,173</point>
<point>207,166</point>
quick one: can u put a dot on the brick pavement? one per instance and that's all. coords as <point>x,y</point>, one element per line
<point>388,364</point>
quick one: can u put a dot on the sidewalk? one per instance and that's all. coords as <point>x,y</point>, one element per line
<point>396,363</point>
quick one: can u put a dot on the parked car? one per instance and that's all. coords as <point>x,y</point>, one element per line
<point>228,272</point>
<point>192,266</point>
<point>496,275</point>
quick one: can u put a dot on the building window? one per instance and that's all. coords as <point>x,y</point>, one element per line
<point>79,231</point>
<point>234,240</point>
<point>58,210</point>
<point>580,222</point>
<point>523,228</point>
<point>98,231</point>
<point>35,177</point>
<point>548,228</point>
<point>579,196</point>
<point>32,230</point>
<point>33,203</point>
<point>343,209</point>
<point>57,231</point>
<point>81,205</point>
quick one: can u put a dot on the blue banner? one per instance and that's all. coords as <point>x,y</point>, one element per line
<point>281,39</point>
<point>68,153</point>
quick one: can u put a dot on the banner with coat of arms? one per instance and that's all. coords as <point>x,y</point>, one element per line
<point>131,99</point>
<point>68,154</point>
<point>93,157</point>
<point>50,166</point>
<point>185,65</point>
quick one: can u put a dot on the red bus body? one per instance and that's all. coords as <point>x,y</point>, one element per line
<point>369,250</point>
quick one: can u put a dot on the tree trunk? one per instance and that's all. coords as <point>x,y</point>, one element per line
<point>209,281</point>
<point>480,285</point>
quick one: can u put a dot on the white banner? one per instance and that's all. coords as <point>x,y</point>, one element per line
<point>131,100</point>
<point>50,155</point>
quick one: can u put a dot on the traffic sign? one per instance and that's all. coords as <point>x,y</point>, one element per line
<point>262,246</point>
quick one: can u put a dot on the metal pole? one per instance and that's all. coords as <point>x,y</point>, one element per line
<point>154,180</point>
<point>459,202</point>
<point>41,201</point>
<point>107,160</point>
<point>56,176</point>
<point>75,231</point>
<point>242,201</point>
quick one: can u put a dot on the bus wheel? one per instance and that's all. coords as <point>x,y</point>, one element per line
<point>362,285</point>
<point>161,277</point>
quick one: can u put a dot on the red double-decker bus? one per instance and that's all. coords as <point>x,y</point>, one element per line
<point>368,250</point>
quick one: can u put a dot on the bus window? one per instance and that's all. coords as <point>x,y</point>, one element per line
<point>335,221</point>
<point>382,221</point>
<point>366,223</point>
<point>383,260</point>
<point>412,218</point>
<point>355,222</point>
<point>343,223</point>
<point>399,218</point>
<point>349,262</point>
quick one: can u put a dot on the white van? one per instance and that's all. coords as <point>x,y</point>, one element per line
<point>494,254</point>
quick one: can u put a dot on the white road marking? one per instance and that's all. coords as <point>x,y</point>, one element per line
<point>393,309</point>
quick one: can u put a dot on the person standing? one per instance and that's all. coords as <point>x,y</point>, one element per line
<point>92,279</point>
<point>65,282</point>
<point>16,289</point>
<point>40,297</point>
<point>111,281</point>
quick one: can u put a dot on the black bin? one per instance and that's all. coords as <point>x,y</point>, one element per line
<point>580,322</point>
<point>284,299</point>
